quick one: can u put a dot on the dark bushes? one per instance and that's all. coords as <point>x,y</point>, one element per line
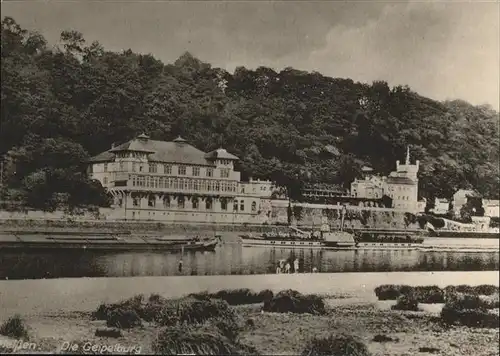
<point>391,291</point>
<point>185,340</point>
<point>291,301</point>
<point>163,311</point>
<point>123,318</point>
<point>336,345</point>
<point>14,327</point>
<point>406,302</point>
<point>431,294</point>
<point>483,289</point>
<point>236,296</point>
<point>468,310</point>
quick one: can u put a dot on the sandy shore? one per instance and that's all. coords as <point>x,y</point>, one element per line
<point>83,294</point>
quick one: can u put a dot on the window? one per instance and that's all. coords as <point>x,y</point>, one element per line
<point>105,180</point>
<point>152,168</point>
<point>167,169</point>
<point>141,182</point>
<point>182,170</point>
<point>152,201</point>
<point>235,205</point>
<point>140,168</point>
<point>224,173</point>
<point>242,205</point>
<point>210,172</point>
<point>208,204</point>
<point>180,202</point>
<point>254,206</point>
<point>136,202</point>
<point>195,203</point>
<point>161,182</point>
<point>122,166</point>
<point>196,171</point>
<point>105,167</point>
<point>134,167</point>
<point>223,204</point>
<point>120,202</point>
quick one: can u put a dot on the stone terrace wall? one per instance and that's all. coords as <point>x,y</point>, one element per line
<point>307,215</point>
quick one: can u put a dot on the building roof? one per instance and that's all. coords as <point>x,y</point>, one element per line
<point>105,156</point>
<point>177,151</point>
<point>220,153</point>
<point>366,169</point>
<point>400,180</point>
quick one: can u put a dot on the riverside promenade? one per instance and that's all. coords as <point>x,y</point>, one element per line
<point>31,297</point>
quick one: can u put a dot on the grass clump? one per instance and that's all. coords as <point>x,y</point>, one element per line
<point>291,301</point>
<point>391,291</point>
<point>135,303</point>
<point>14,327</point>
<point>123,318</point>
<point>188,340</point>
<point>468,310</point>
<point>336,345</point>
<point>240,296</point>
<point>428,294</point>
<point>483,289</point>
<point>406,302</point>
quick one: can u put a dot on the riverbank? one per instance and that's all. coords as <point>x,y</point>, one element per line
<point>83,294</point>
<point>352,308</point>
<point>136,227</point>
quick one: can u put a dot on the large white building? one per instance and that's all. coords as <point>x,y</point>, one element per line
<point>401,185</point>
<point>175,181</point>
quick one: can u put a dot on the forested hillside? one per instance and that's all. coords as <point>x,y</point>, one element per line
<point>63,104</point>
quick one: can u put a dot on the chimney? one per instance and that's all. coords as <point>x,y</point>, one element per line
<point>113,145</point>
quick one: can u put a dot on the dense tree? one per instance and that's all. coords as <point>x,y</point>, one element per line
<point>62,105</point>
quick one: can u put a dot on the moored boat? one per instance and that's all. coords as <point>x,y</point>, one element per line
<point>110,243</point>
<point>298,239</point>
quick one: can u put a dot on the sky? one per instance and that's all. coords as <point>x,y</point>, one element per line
<point>442,50</point>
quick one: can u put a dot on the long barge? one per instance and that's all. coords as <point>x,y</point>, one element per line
<point>103,243</point>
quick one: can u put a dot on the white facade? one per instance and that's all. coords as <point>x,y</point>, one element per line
<point>441,206</point>
<point>460,198</point>
<point>401,186</point>
<point>174,181</point>
<point>491,208</point>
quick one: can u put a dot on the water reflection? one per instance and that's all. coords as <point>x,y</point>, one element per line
<point>234,259</point>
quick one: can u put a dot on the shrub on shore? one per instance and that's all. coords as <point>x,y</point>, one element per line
<point>469,310</point>
<point>391,291</point>
<point>123,318</point>
<point>291,301</point>
<point>14,327</point>
<point>336,345</point>
<point>428,294</point>
<point>236,296</point>
<point>406,302</point>
<point>483,289</point>
<point>135,303</point>
<point>187,340</point>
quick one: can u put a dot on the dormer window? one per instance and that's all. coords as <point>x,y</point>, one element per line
<point>182,170</point>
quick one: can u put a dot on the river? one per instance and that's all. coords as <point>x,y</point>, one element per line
<point>232,259</point>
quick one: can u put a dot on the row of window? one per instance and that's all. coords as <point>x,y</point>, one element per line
<point>206,185</point>
<point>195,203</point>
<point>182,170</point>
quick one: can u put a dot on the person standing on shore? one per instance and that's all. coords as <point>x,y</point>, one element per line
<point>287,267</point>
<point>296,265</point>
<point>180,266</point>
<point>278,268</point>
